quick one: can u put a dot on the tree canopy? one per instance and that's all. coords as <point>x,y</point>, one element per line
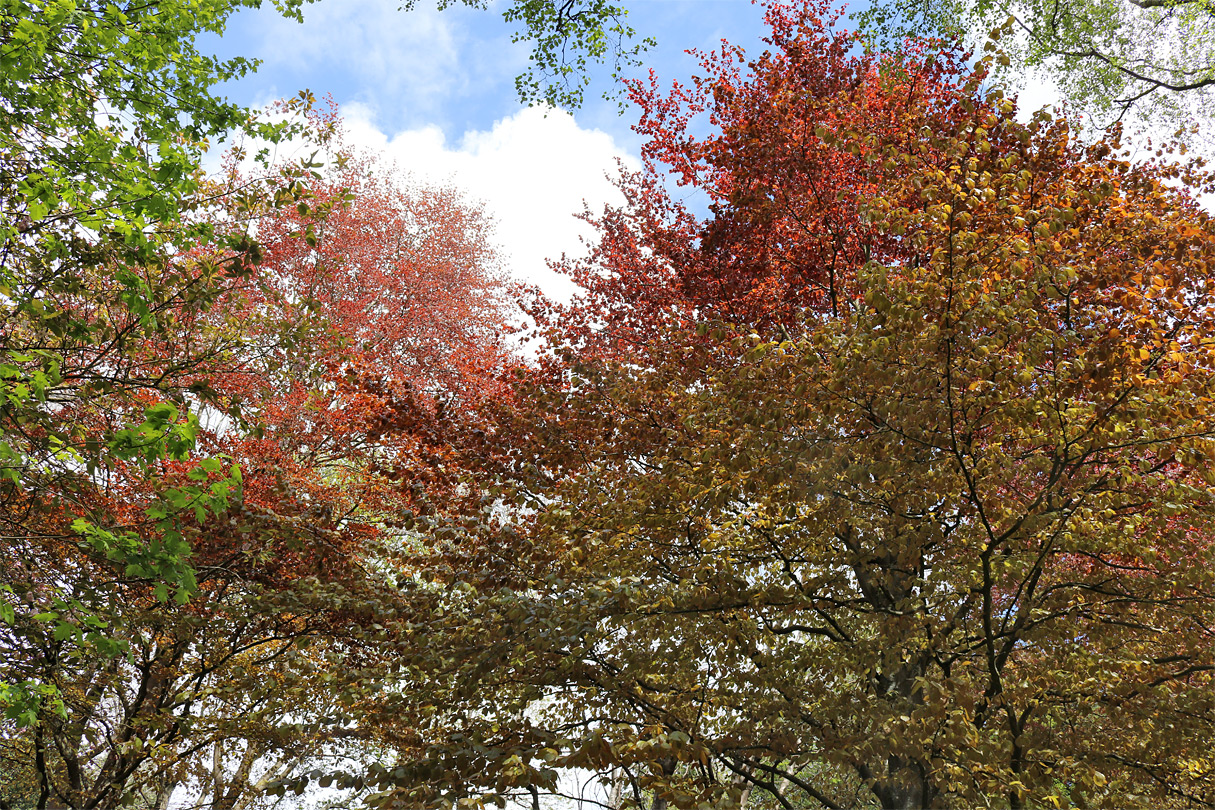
<point>107,111</point>
<point>366,292</point>
<point>885,485</point>
<point>1147,61</point>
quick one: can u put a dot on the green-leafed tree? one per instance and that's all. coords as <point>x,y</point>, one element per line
<point>567,37</point>
<point>107,111</point>
<point>1141,61</point>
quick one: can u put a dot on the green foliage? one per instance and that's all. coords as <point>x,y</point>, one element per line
<point>107,111</point>
<point>1151,60</point>
<point>567,37</point>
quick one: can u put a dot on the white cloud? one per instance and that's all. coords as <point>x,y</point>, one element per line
<point>1038,89</point>
<point>533,170</point>
<point>412,58</point>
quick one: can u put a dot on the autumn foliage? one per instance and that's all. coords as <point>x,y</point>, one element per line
<point>801,141</point>
<point>403,278</point>
<point>284,376</point>
<point>885,484</point>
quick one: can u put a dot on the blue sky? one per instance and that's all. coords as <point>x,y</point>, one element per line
<point>433,91</point>
<point>453,68</point>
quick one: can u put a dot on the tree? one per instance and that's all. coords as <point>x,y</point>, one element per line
<point>1150,60</point>
<point>567,36</point>
<point>106,115</point>
<point>116,315</point>
<point>18,780</point>
<point>932,531</point>
<point>106,669</point>
<point>366,291</point>
<point>405,279</point>
<point>108,109</point>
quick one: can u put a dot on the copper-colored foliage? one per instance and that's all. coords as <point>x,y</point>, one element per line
<point>886,484</point>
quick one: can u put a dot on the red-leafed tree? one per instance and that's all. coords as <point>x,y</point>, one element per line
<point>785,183</point>
<point>406,281</point>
